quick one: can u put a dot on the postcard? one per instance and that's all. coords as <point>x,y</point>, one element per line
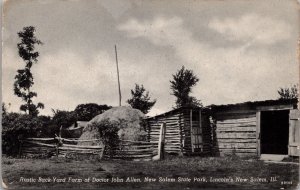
<point>111,94</point>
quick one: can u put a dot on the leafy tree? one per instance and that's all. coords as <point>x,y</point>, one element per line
<point>140,99</point>
<point>181,87</point>
<point>86,112</point>
<point>63,118</point>
<point>24,77</point>
<point>288,93</point>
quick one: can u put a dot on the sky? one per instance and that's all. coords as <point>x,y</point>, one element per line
<point>240,50</point>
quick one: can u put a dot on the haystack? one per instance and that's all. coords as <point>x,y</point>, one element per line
<point>129,121</point>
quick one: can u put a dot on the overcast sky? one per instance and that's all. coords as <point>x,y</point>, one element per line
<point>240,50</point>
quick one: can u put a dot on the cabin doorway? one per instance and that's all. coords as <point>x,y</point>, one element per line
<point>274,132</point>
<point>196,131</point>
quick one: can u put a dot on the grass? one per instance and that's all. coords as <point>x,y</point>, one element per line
<point>172,167</point>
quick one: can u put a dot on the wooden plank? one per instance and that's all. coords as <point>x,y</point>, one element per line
<point>38,143</point>
<point>219,125</point>
<point>83,140</point>
<point>236,135</point>
<point>237,145</point>
<point>137,142</point>
<point>139,146</point>
<point>258,129</point>
<point>236,121</point>
<point>81,146</point>
<point>241,129</point>
<point>239,154</point>
<point>234,115</point>
<point>238,150</point>
<point>236,140</point>
<point>294,114</point>
<point>274,107</point>
<point>134,151</point>
<point>75,149</point>
<point>294,151</point>
<point>40,139</point>
<point>294,133</point>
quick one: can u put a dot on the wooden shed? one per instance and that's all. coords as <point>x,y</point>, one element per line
<point>188,130</point>
<point>256,128</point>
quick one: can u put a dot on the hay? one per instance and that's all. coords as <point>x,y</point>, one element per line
<point>129,121</point>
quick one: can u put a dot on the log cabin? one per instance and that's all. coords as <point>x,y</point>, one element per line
<point>243,129</point>
<point>256,128</point>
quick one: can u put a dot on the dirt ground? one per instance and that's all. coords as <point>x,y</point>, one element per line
<point>174,172</point>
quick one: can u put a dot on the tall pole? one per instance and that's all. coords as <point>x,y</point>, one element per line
<point>299,71</point>
<point>120,97</point>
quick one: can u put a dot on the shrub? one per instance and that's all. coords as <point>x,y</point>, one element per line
<point>18,126</point>
<point>108,132</point>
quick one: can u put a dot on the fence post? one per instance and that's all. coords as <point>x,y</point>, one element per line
<point>161,142</point>
<point>59,141</point>
<point>20,147</point>
<point>102,152</point>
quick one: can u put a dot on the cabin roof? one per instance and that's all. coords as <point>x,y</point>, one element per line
<point>175,111</point>
<point>255,104</point>
<point>244,105</point>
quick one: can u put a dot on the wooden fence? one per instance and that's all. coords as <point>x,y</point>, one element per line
<point>62,147</point>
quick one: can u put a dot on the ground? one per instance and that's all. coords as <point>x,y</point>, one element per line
<point>207,172</point>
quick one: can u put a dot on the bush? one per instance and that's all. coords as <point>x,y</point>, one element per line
<point>18,126</point>
<point>108,132</point>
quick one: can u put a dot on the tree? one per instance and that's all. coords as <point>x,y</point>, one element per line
<point>24,77</point>
<point>288,93</point>
<point>4,109</point>
<point>181,87</point>
<point>140,99</point>
<point>17,126</point>
<point>63,118</point>
<point>86,112</point>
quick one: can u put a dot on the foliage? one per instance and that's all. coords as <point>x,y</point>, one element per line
<point>4,109</point>
<point>140,99</point>
<point>108,132</point>
<point>24,78</point>
<point>18,126</point>
<point>288,93</point>
<point>63,118</point>
<point>86,112</point>
<point>181,87</point>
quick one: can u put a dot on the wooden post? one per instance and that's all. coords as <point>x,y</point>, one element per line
<point>191,123</point>
<point>299,71</point>
<point>59,141</point>
<point>102,152</point>
<point>120,96</point>
<point>161,142</point>
<point>201,131</point>
<point>20,148</point>
<point>181,136</point>
<point>258,115</point>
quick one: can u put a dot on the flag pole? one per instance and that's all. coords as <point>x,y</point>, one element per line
<point>120,97</point>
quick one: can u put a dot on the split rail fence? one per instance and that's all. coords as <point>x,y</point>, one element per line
<point>63,147</point>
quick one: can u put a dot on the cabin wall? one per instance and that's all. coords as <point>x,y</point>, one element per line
<point>178,131</point>
<point>204,139</point>
<point>235,133</point>
<point>173,133</point>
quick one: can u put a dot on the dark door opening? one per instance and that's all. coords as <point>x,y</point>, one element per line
<point>274,132</point>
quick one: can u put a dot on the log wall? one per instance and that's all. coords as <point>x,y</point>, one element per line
<point>179,125</point>
<point>173,137</point>
<point>235,133</point>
